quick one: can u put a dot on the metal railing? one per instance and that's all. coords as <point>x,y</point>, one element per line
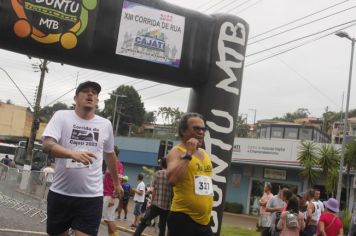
<point>24,191</point>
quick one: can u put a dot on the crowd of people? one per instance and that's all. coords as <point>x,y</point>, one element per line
<point>80,196</point>
<point>287,214</point>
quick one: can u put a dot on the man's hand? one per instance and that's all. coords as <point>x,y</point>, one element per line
<point>111,202</point>
<point>192,145</point>
<point>83,156</point>
<point>118,190</point>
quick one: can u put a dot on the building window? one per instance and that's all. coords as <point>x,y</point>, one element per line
<point>306,133</point>
<point>263,133</point>
<point>277,132</point>
<point>291,133</point>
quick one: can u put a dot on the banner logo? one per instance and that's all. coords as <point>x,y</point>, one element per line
<point>52,21</point>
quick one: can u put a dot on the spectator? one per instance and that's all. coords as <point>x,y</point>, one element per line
<point>264,219</point>
<point>110,201</point>
<point>313,214</point>
<point>124,200</point>
<point>161,201</point>
<point>5,160</point>
<point>317,199</point>
<point>275,206</point>
<point>139,198</point>
<point>330,224</point>
<point>292,220</point>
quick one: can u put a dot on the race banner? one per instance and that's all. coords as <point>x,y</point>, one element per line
<point>150,34</point>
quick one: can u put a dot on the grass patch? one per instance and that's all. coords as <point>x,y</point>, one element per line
<point>236,231</point>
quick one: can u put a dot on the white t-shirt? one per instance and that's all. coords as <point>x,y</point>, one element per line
<point>321,205</point>
<point>72,132</point>
<point>140,186</point>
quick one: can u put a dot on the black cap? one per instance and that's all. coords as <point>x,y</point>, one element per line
<point>88,84</point>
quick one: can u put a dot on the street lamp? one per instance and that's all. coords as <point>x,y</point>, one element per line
<point>339,185</point>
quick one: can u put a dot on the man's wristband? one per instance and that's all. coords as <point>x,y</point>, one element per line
<point>186,156</point>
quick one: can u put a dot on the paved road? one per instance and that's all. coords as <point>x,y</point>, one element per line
<point>15,220</point>
<point>11,219</point>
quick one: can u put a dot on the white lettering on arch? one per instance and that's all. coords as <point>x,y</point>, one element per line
<point>219,128</point>
<point>227,65</point>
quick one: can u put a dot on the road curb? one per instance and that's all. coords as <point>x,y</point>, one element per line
<point>22,231</point>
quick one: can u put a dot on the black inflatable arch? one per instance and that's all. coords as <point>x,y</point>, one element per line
<point>152,40</point>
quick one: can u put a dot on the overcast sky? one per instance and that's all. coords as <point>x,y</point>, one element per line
<point>312,76</point>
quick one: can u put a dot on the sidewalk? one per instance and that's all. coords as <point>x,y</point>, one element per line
<point>229,219</point>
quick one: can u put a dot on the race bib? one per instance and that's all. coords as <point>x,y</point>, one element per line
<point>75,164</point>
<point>203,185</point>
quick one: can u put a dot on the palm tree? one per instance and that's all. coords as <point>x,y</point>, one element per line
<point>308,159</point>
<point>329,162</point>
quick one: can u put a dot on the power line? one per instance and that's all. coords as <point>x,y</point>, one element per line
<point>18,88</point>
<point>238,6</point>
<point>246,8</point>
<point>216,4</point>
<point>297,39</point>
<point>296,27</point>
<point>171,91</point>
<point>299,19</point>
<point>298,46</point>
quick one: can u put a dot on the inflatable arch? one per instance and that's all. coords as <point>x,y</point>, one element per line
<point>148,39</point>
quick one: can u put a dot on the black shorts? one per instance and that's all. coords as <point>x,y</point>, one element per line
<point>78,213</point>
<point>176,220</point>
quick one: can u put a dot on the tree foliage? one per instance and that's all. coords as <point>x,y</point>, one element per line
<point>242,128</point>
<point>308,159</point>
<point>130,109</point>
<point>292,116</point>
<point>47,112</point>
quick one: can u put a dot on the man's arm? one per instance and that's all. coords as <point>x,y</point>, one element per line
<point>176,166</point>
<point>111,160</point>
<point>51,147</point>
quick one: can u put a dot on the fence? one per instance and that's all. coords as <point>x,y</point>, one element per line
<point>25,191</point>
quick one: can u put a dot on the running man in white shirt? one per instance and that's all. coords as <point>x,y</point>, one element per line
<point>79,140</point>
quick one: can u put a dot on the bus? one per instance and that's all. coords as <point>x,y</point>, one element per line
<point>39,158</point>
<point>7,149</point>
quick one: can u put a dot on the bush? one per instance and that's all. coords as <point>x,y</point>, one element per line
<point>346,219</point>
<point>233,207</point>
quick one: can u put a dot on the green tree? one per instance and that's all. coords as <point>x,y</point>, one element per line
<point>308,159</point>
<point>242,128</point>
<point>130,109</point>
<point>47,112</point>
<point>170,115</point>
<point>150,117</point>
<point>8,101</point>
<point>329,162</point>
<point>291,117</point>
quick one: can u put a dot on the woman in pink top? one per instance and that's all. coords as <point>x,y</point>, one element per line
<point>329,223</point>
<point>287,227</point>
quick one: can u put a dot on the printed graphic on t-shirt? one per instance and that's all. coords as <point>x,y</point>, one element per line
<point>84,136</point>
<point>85,139</point>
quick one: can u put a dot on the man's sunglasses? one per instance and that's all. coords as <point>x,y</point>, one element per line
<point>199,128</point>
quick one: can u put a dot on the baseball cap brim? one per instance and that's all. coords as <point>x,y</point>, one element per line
<point>88,84</point>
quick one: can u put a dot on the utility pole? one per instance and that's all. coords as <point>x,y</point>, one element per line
<point>342,155</point>
<point>35,121</point>
<point>119,112</point>
<point>118,119</point>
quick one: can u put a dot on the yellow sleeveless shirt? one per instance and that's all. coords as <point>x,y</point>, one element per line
<point>185,200</point>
